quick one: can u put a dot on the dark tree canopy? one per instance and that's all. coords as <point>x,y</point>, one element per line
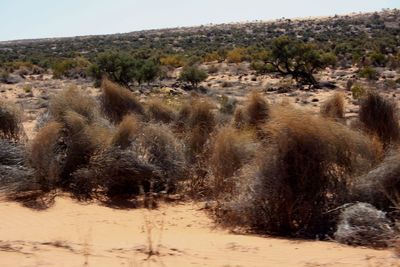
<point>298,59</point>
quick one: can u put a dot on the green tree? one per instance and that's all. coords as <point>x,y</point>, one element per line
<point>298,59</point>
<point>193,75</point>
<point>117,66</point>
<point>148,71</point>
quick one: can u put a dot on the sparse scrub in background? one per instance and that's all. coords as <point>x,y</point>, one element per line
<point>157,111</point>
<point>10,121</point>
<point>379,117</point>
<point>193,75</point>
<point>302,173</point>
<point>358,91</point>
<point>175,61</point>
<point>236,55</point>
<point>368,73</point>
<point>333,107</point>
<point>362,224</point>
<point>118,101</point>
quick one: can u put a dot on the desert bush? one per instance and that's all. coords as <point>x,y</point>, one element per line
<point>236,55</point>
<point>368,73</point>
<point>127,131</point>
<point>45,155</point>
<point>193,75</point>
<point>231,149</point>
<point>10,121</point>
<point>162,149</point>
<point>257,110</point>
<point>379,117</point>
<point>175,61</point>
<point>362,224</point>
<point>303,172</point>
<point>200,125</point>
<point>381,185</point>
<point>333,107</point>
<point>157,111</point>
<point>118,101</point>
<point>11,153</point>
<point>73,100</point>
<point>114,173</point>
<point>358,91</point>
<point>239,118</point>
<point>116,66</point>
<point>228,104</point>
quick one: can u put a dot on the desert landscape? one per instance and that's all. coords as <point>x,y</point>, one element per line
<point>266,143</point>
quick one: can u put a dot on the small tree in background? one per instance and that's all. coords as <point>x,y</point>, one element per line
<point>298,59</point>
<point>193,75</point>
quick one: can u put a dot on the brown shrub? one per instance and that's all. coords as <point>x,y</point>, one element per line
<point>10,121</point>
<point>118,101</point>
<point>381,185</point>
<point>73,100</point>
<point>200,125</point>
<point>114,173</point>
<point>162,149</point>
<point>379,116</point>
<point>257,109</point>
<point>159,112</point>
<point>333,107</point>
<point>302,173</point>
<point>362,224</point>
<point>127,131</point>
<point>230,151</point>
<point>44,155</point>
<point>239,118</point>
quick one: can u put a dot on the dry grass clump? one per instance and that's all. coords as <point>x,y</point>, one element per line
<point>333,107</point>
<point>162,149</point>
<point>200,124</point>
<point>362,224</point>
<point>11,153</point>
<point>126,132</point>
<point>44,155</point>
<point>379,117</point>
<point>381,185</point>
<point>257,109</point>
<point>10,121</point>
<point>118,101</point>
<point>73,100</point>
<point>303,172</point>
<point>157,111</point>
<point>114,173</point>
<point>230,151</point>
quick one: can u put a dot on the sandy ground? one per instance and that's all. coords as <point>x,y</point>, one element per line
<point>73,234</point>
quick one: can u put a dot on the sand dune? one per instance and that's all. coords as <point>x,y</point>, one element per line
<point>72,234</point>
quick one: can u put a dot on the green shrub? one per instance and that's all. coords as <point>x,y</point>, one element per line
<point>193,75</point>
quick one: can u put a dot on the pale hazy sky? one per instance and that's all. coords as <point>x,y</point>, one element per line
<point>21,19</point>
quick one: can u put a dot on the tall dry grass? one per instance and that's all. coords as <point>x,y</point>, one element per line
<point>158,111</point>
<point>306,165</point>
<point>334,107</point>
<point>10,121</point>
<point>380,117</point>
<point>118,101</point>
